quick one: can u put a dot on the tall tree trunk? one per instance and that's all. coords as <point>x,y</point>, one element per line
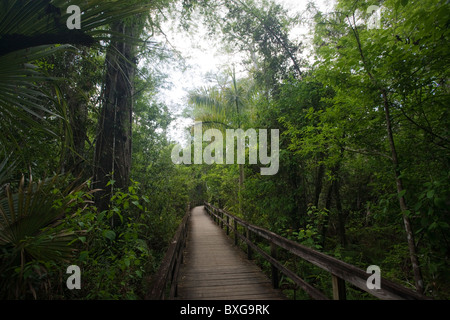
<point>395,162</point>
<point>78,122</point>
<point>241,186</point>
<point>408,228</point>
<point>241,166</point>
<point>334,188</point>
<point>327,218</point>
<point>341,218</point>
<point>319,180</point>
<point>113,148</point>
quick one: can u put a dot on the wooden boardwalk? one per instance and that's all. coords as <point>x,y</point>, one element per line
<point>215,269</point>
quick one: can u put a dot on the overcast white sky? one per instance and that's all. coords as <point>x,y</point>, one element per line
<point>204,56</point>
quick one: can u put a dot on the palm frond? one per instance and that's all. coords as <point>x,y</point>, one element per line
<point>212,109</point>
<point>34,29</point>
<point>26,23</point>
<point>6,169</point>
<point>28,218</point>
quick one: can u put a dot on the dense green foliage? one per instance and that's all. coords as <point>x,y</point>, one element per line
<point>364,142</point>
<point>48,217</point>
<point>337,189</point>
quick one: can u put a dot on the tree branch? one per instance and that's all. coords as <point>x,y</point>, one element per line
<point>14,42</point>
<point>373,153</point>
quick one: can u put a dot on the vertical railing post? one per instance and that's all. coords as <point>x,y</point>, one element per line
<point>235,232</point>
<point>338,288</point>
<point>228,225</point>
<point>249,249</point>
<point>273,254</point>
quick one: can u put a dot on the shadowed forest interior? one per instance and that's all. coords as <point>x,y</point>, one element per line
<point>360,99</point>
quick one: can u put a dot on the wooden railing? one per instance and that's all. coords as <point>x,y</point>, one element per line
<point>341,272</point>
<point>165,281</point>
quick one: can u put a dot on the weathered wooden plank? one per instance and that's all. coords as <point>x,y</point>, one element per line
<point>216,269</point>
<point>214,283</point>
<point>211,276</point>
<point>339,269</point>
<point>219,275</point>
<point>168,271</point>
<point>218,296</point>
<point>339,292</point>
<point>251,288</point>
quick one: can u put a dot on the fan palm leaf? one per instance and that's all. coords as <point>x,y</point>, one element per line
<point>223,108</point>
<point>32,229</point>
<point>211,109</point>
<point>34,29</point>
<point>30,218</point>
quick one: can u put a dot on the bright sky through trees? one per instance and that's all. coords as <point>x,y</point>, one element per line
<point>354,96</point>
<point>204,56</point>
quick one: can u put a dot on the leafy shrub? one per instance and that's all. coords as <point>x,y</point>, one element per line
<point>32,239</point>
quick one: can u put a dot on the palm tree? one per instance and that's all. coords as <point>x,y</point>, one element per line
<point>29,220</point>
<point>226,107</point>
<point>32,30</point>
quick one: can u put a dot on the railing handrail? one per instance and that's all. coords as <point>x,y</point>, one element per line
<point>340,270</point>
<point>168,271</point>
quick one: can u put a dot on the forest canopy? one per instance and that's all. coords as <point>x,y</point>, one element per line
<point>361,104</point>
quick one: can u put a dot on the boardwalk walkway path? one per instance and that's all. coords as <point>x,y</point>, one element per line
<point>215,269</point>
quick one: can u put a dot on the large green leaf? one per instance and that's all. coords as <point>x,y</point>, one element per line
<point>28,219</point>
<point>34,29</point>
